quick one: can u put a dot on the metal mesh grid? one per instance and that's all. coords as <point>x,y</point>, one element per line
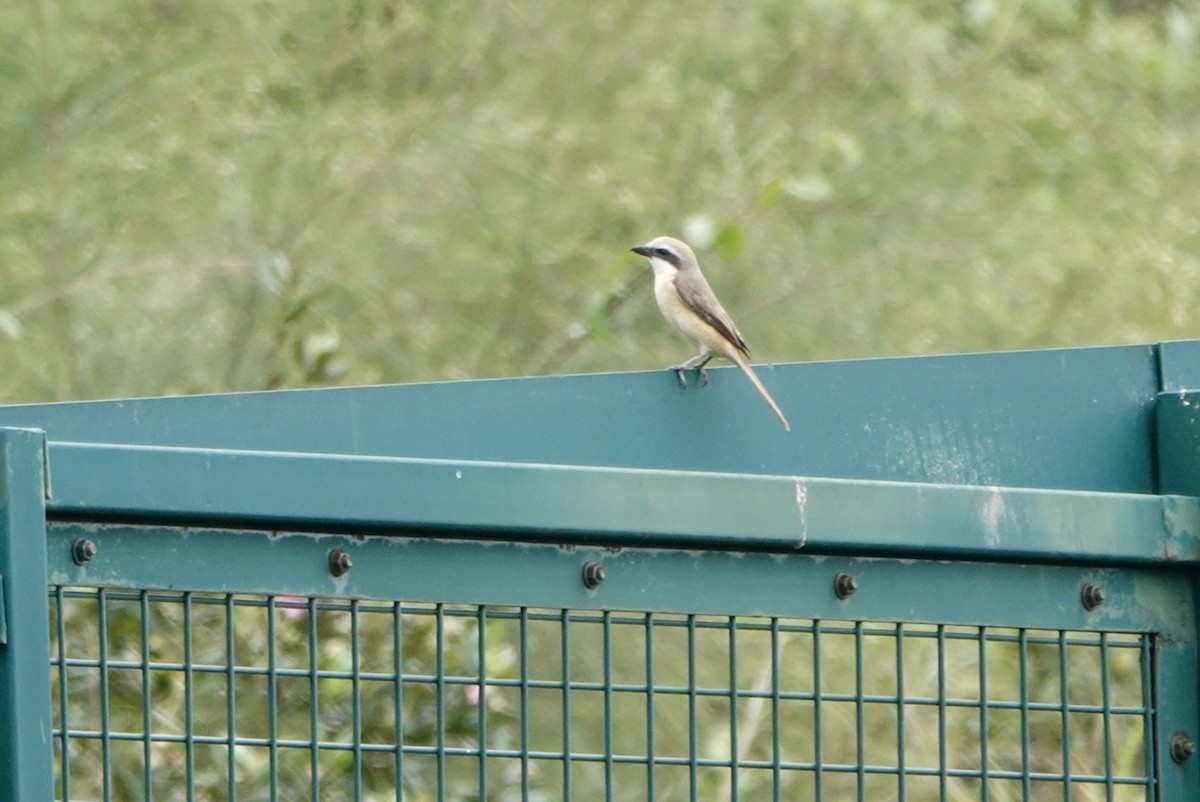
<point>166,695</point>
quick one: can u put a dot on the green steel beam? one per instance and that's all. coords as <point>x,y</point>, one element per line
<point>641,579</point>
<point>1176,663</point>
<point>26,750</point>
<point>572,504</point>
<point>1074,419</point>
<point>1177,431</point>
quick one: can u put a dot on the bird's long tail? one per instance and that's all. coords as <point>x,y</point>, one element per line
<point>758,385</point>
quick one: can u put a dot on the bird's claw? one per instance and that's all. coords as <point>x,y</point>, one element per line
<point>702,375</point>
<point>678,369</point>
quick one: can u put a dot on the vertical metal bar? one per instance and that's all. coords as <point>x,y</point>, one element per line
<point>144,637</point>
<point>984,790</point>
<point>734,753</point>
<point>1106,701</point>
<point>314,705</point>
<point>481,703</point>
<point>397,698</point>
<point>609,786</point>
<point>439,662</point>
<point>693,730</point>
<point>523,635</point>
<point>272,706</point>
<point>1064,696</point>
<point>189,702</point>
<point>941,705</point>
<point>60,622</point>
<point>356,697</point>
<point>900,714</point>
<point>776,747</point>
<point>565,643</point>
<point>1149,718</point>
<point>1176,707</point>
<point>26,721</point>
<point>105,723</point>
<point>649,632</point>
<point>230,696</point>
<point>1023,680</point>
<point>818,759</point>
<point>859,712</point>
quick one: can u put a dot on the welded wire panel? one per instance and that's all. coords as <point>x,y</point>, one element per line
<point>165,695</point>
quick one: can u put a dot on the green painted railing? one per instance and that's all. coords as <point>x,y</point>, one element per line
<point>966,577</point>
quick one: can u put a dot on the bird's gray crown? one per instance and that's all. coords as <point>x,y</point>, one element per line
<point>668,249</point>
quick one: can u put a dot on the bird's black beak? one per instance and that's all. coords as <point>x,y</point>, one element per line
<point>642,250</point>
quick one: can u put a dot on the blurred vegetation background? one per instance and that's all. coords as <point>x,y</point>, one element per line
<point>247,194</point>
<point>238,195</point>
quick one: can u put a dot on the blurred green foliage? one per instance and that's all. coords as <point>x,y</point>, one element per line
<point>238,195</point>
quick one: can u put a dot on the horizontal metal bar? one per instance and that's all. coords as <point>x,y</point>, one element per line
<point>459,571</point>
<point>574,504</point>
<point>614,687</point>
<point>912,632</point>
<point>1079,419</point>
<point>596,757</point>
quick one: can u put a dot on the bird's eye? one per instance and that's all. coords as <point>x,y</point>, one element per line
<point>663,252</point>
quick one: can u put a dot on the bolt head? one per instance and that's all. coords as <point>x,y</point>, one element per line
<point>1091,596</point>
<point>83,550</point>
<point>844,585</point>
<point>339,562</point>
<point>592,575</point>
<point>1182,747</point>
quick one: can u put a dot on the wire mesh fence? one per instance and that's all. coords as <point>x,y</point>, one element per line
<point>183,695</point>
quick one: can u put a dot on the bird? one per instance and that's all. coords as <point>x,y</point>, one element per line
<point>692,308</point>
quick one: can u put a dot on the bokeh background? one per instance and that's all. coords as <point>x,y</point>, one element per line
<point>249,194</point>
<point>236,195</point>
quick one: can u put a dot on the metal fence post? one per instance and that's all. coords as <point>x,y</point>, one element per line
<point>26,747</point>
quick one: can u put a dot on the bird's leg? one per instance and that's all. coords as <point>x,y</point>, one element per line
<point>696,363</point>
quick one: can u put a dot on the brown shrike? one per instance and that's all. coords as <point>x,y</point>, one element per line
<point>692,308</point>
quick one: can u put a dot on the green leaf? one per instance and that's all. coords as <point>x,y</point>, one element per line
<point>729,241</point>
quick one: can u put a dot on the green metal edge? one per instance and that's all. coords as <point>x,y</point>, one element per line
<point>1178,710</point>
<point>574,504</point>
<point>637,579</point>
<point>26,749</point>
<point>1076,419</point>
<point>1177,416</point>
<point>1179,365</point>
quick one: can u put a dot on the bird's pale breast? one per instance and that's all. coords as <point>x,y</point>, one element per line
<point>683,319</point>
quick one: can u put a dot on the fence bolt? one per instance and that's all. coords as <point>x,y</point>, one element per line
<point>844,585</point>
<point>1182,747</point>
<point>339,561</point>
<point>593,574</point>
<point>1092,596</point>
<point>83,550</point>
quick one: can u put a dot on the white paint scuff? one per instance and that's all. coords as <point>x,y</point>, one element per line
<point>990,515</point>
<point>802,508</point>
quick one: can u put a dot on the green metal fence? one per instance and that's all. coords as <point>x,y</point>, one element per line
<point>966,578</point>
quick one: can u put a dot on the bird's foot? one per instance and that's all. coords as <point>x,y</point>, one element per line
<point>678,370</point>
<point>702,375</point>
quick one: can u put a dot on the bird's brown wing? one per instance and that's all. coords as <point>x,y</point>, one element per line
<point>698,296</point>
